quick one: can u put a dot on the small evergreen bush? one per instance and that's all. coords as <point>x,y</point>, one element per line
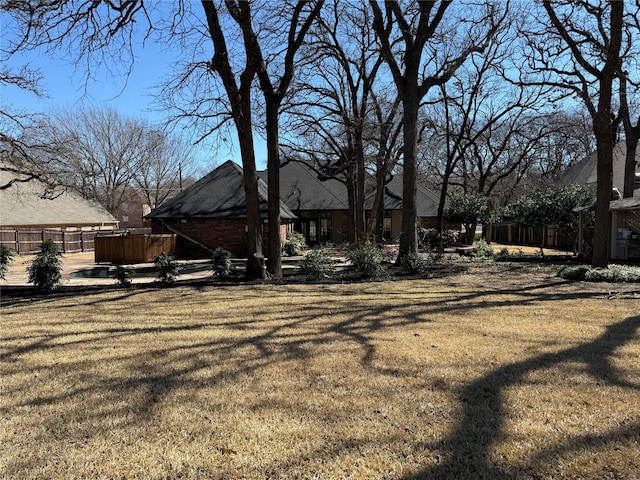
<point>366,259</point>
<point>123,275</point>
<point>167,269</point>
<point>614,273</point>
<point>429,239</point>
<point>504,255</point>
<point>573,272</point>
<point>482,249</point>
<point>221,263</point>
<point>416,263</point>
<point>317,265</point>
<point>6,257</point>
<point>45,271</point>
<point>295,244</point>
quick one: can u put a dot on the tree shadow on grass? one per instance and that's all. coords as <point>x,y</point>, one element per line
<point>246,347</point>
<point>467,450</point>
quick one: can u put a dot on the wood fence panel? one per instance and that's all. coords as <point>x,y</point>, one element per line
<point>125,249</point>
<point>28,241</point>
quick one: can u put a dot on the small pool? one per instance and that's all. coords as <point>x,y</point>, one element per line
<point>139,272</point>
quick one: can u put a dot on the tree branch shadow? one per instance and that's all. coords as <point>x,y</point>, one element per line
<point>483,408</point>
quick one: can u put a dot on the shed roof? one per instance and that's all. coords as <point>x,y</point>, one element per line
<point>33,203</point>
<point>631,203</point>
<point>220,194</point>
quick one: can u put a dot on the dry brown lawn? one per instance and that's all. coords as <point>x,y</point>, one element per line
<point>496,373</point>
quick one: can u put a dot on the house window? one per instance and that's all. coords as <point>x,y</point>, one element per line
<point>325,227</point>
<point>313,232</point>
<point>386,226</point>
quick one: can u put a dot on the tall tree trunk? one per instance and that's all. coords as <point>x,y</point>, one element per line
<point>630,165</point>
<point>605,139</point>
<point>273,178</point>
<point>255,260</point>
<point>360,181</point>
<point>408,233</point>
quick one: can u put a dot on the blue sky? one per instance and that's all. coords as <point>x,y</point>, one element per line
<point>67,87</point>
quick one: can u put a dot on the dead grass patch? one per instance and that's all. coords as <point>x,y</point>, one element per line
<point>494,374</point>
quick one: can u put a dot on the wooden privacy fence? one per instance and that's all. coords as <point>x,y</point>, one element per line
<point>28,241</point>
<point>124,249</point>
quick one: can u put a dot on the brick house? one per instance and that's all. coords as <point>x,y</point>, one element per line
<point>320,204</point>
<point>211,213</point>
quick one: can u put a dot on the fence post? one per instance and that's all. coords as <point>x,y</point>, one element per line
<point>17,239</point>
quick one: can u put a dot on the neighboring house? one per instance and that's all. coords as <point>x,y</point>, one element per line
<point>32,212</point>
<point>625,213</point>
<point>321,204</point>
<point>212,213</point>
<point>583,173</point>
<point>131,213</point>
<point>625,228</point>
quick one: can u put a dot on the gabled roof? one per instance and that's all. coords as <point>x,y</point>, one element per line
<point>25,204</point>
<point>303,188</point>
<point>426,200</point>
<point>220,194</point>
<point>585,172</point>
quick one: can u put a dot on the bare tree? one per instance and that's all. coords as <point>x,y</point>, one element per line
<point>167,164</point>
<point>577,48</point>
<point>110,158</point>
<point>21,155</point>
<point>295,20</point>
<point>423,51</point>
<point>483,124</point>
<point>334,110</point>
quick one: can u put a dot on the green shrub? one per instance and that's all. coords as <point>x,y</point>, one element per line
<point>6,257</point>
<point>416,263</point>
<point>221,263</point>
<point>429,239</point>
<point>317,265</point>
<point>504,255</point>
<point>613,274</point>
<point>123,275</point>
<point>295,244</point>
<point>573,272</point>
<point>366,259</point>
<point>167,269</point>
<point>45,271</point>
<point>482,249</point>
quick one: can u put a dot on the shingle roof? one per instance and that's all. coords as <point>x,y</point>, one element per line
<point>426,200</point>
<point>220,194</point>
<point>302,188</point>
<point>585,172</point>
<point>25,204</point>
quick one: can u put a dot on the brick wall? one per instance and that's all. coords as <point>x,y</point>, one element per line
<point>213,233</point>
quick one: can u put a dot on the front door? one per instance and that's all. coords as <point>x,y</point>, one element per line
<point>309,229</point>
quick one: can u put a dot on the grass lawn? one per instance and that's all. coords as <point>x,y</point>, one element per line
<point>501,372</point>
